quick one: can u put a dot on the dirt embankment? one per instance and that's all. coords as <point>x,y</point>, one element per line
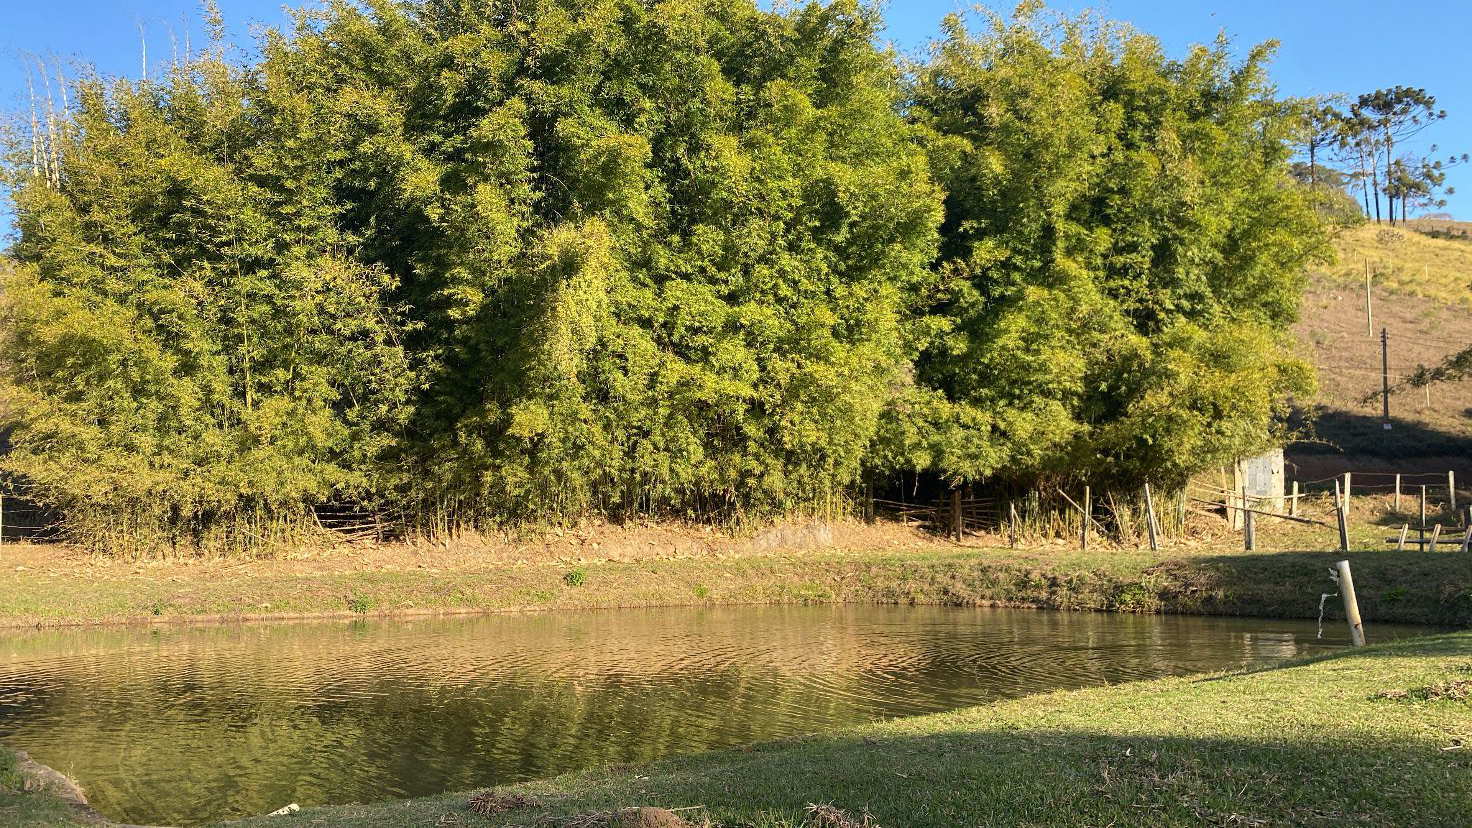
<point>1421,298</point>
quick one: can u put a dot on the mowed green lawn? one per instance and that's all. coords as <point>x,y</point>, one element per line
<point>1378,737</point>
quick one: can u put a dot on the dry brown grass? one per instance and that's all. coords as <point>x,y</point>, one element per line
<point>827,816</point>
<point>1405,261</point>
<point>486,803</point>
<point>643,817</point>
<point>1419,294</point>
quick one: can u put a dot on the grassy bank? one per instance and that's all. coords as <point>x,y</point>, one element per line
<point>1411,588</point>
<point>1381,737</point>
<point>26,801</point>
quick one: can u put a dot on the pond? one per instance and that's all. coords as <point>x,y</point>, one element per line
<point>186,725</point>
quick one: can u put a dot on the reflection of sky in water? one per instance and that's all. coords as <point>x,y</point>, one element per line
<point>186,725</point>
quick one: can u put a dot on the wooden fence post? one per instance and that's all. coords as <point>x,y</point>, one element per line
<point>1343,527</point>
<point>1422,535</point>
<point>1088,503</point>
<point>1293,504</point>
<point>956,518</point>
<point>1348,478</point>
<point>1012,524</point>
<point>1351,605</point>
<point>1249,531</point>
<point>1467,538</point>
<point>1397,492</point>
<point>1150,520</point>
<point>1435,536</point>
<point>1451,489</point>
<point>1405,529</point>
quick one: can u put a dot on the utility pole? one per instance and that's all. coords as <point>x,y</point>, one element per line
<point>1385,373</point>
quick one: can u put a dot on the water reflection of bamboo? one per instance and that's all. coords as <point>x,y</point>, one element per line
<point>192,723</point>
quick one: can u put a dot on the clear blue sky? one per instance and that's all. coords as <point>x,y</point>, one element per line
<point>1347,46</point>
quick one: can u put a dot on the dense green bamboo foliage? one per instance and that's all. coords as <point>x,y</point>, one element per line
<point>662,253</point>
<point>193,355</point>
<point>495,262</point>
<point>1123,251</point>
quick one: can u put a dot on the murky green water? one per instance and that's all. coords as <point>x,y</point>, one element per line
<point>188,725</point>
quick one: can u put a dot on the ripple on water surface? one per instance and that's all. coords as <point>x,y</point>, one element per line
<point>186,725</point>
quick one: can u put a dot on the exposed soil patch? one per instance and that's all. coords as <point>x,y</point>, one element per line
<point>1456,690</point>
<point>1431,429</point>
<point>827,816</point>
<point>486,803</point>
<point>625,818</point>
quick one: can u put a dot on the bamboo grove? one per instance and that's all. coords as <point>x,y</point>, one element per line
<point>488,263</point>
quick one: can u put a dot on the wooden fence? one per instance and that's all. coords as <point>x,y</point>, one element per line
<point>22,520</point>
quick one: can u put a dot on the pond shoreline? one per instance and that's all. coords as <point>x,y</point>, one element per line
<point>1192,750</point>
<point>51,589</point>
<point>1375,736</point>
<point>81,591</point>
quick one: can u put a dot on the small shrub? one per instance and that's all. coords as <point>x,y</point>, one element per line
<point>702,591</point>
<point>575,577</point>
<point>1134,598</point>
<point>360,604</point>
<point>1390,238</point>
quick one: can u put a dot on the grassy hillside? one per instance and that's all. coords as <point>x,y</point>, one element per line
<point>1421,292</point>
<point>1430,260</point>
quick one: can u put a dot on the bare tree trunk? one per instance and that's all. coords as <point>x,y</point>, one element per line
<point>1364,184</point>
<point>1375,180</point>
<point>1389,166</point>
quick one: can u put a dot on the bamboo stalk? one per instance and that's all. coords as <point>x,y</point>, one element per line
<point>1150,520</point>
<point>38,163</point>
<point>51,126</point>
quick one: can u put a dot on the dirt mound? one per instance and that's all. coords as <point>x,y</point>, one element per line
<point>647,818</point>
<point>625,818</point>
<point>486,803</point>
<point>827,816</point>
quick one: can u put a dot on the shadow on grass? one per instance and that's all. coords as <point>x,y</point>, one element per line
<point>1362,435</point>
<point>1008,774</point>
<point>1442,514</point>
<point>1007,777</point>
